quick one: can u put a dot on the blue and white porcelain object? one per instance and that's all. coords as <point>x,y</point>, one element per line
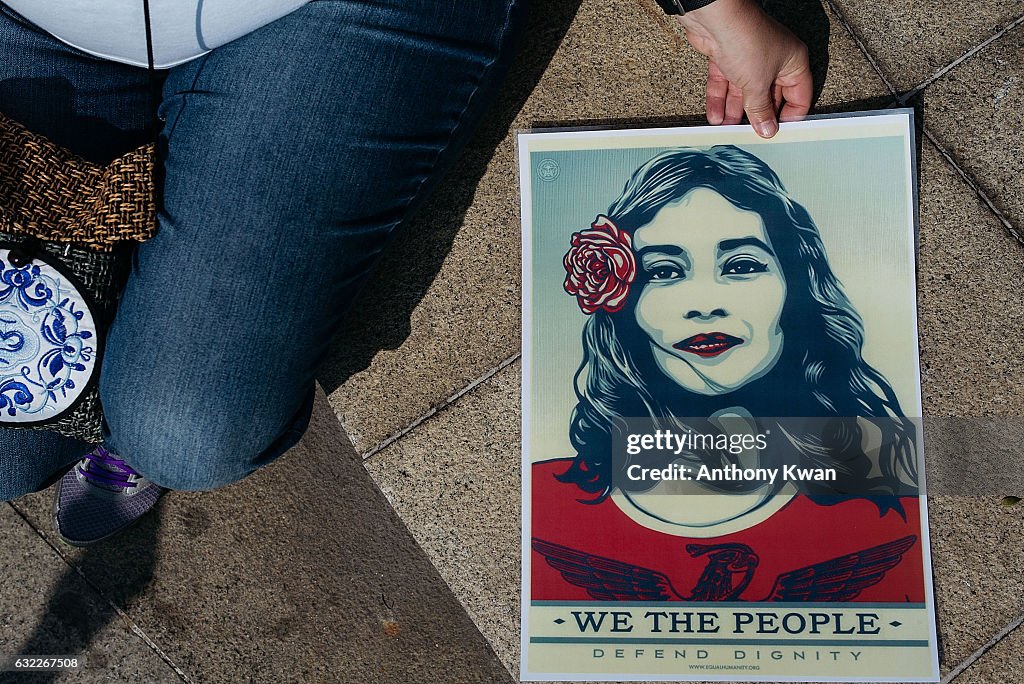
<point>48,340</point>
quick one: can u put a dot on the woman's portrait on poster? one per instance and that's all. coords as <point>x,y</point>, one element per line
<point>708,295</point>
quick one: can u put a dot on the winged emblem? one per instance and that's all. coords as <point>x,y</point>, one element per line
<point>728,572</point>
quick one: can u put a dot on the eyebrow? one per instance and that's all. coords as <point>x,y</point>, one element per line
<point>669,250</point>
<point>729,245</point>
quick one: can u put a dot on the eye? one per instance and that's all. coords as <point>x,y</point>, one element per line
<point>664,272</point>
<point>743,265</point>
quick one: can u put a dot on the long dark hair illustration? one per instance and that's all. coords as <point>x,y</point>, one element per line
<point>809,363</point>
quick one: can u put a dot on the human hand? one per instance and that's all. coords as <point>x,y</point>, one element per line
<point>756,65</point>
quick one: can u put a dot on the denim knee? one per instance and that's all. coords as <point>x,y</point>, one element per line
<point>185,453</point>
<point>188,446</point>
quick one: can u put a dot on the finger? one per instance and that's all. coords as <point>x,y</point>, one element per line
<point>797,94</point>
<point>733,105</point>
<point>776,96</point>
<point>761,112</point>
<point>718,88</point>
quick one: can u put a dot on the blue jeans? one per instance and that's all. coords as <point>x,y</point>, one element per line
<point>290,156</point>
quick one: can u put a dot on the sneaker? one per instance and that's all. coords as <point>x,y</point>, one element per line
<point>99,497</point>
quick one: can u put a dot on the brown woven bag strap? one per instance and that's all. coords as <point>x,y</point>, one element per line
<point>49,193</point>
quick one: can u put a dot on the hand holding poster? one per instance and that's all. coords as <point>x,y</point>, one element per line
<point>721,440</point>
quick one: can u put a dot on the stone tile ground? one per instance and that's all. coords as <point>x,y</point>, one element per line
<point>304,573</point>
<point>1004,663</point>
<point>984,137</point>
<point>912,41</point>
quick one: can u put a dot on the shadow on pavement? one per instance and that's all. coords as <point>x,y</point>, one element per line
<point>70,622</point>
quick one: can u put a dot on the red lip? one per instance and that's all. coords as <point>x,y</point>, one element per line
<point>708,345</point>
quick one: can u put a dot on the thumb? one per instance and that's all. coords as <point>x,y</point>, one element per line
<point>760,111</point>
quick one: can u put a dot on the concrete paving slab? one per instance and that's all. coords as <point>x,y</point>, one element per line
<point>455,481</point>
<point>415,339</point>
<point>299,573</point>
<point>912,40</point>
<point>47,609</point>
<point>969,276</point>
<point>976,112</point>
<point>979,581</point>
<point>969,271</point>
<point>1004,663</point>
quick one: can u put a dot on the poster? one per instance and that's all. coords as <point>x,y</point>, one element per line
<point>722,452</point>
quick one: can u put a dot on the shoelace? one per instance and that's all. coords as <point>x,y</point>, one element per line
<point>102,468</point>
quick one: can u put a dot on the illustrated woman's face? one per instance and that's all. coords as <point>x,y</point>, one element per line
<point>712,293</point>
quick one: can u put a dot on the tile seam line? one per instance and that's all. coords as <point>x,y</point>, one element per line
<point>135,629</point>
<point>960,60</point>
<point>988,646</point>
<point>863,48</point>
<point>976,187</point>
<point>441,406</point>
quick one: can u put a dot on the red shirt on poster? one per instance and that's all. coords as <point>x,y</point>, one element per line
<point>800,534</point>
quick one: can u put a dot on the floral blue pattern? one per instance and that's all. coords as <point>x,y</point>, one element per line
<point>47,338</point>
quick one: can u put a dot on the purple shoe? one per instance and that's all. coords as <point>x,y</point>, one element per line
<point>99,497</point>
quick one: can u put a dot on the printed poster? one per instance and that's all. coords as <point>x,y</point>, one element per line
<point>722,450</point>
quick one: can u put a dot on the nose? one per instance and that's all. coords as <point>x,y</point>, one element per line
<point>694,314</point>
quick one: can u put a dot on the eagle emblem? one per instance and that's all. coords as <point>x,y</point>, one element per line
<point>727,574</point>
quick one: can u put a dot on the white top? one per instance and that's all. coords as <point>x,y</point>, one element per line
<point>182,29</point>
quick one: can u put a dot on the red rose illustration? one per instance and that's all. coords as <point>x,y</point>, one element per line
<point>600,266</point>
